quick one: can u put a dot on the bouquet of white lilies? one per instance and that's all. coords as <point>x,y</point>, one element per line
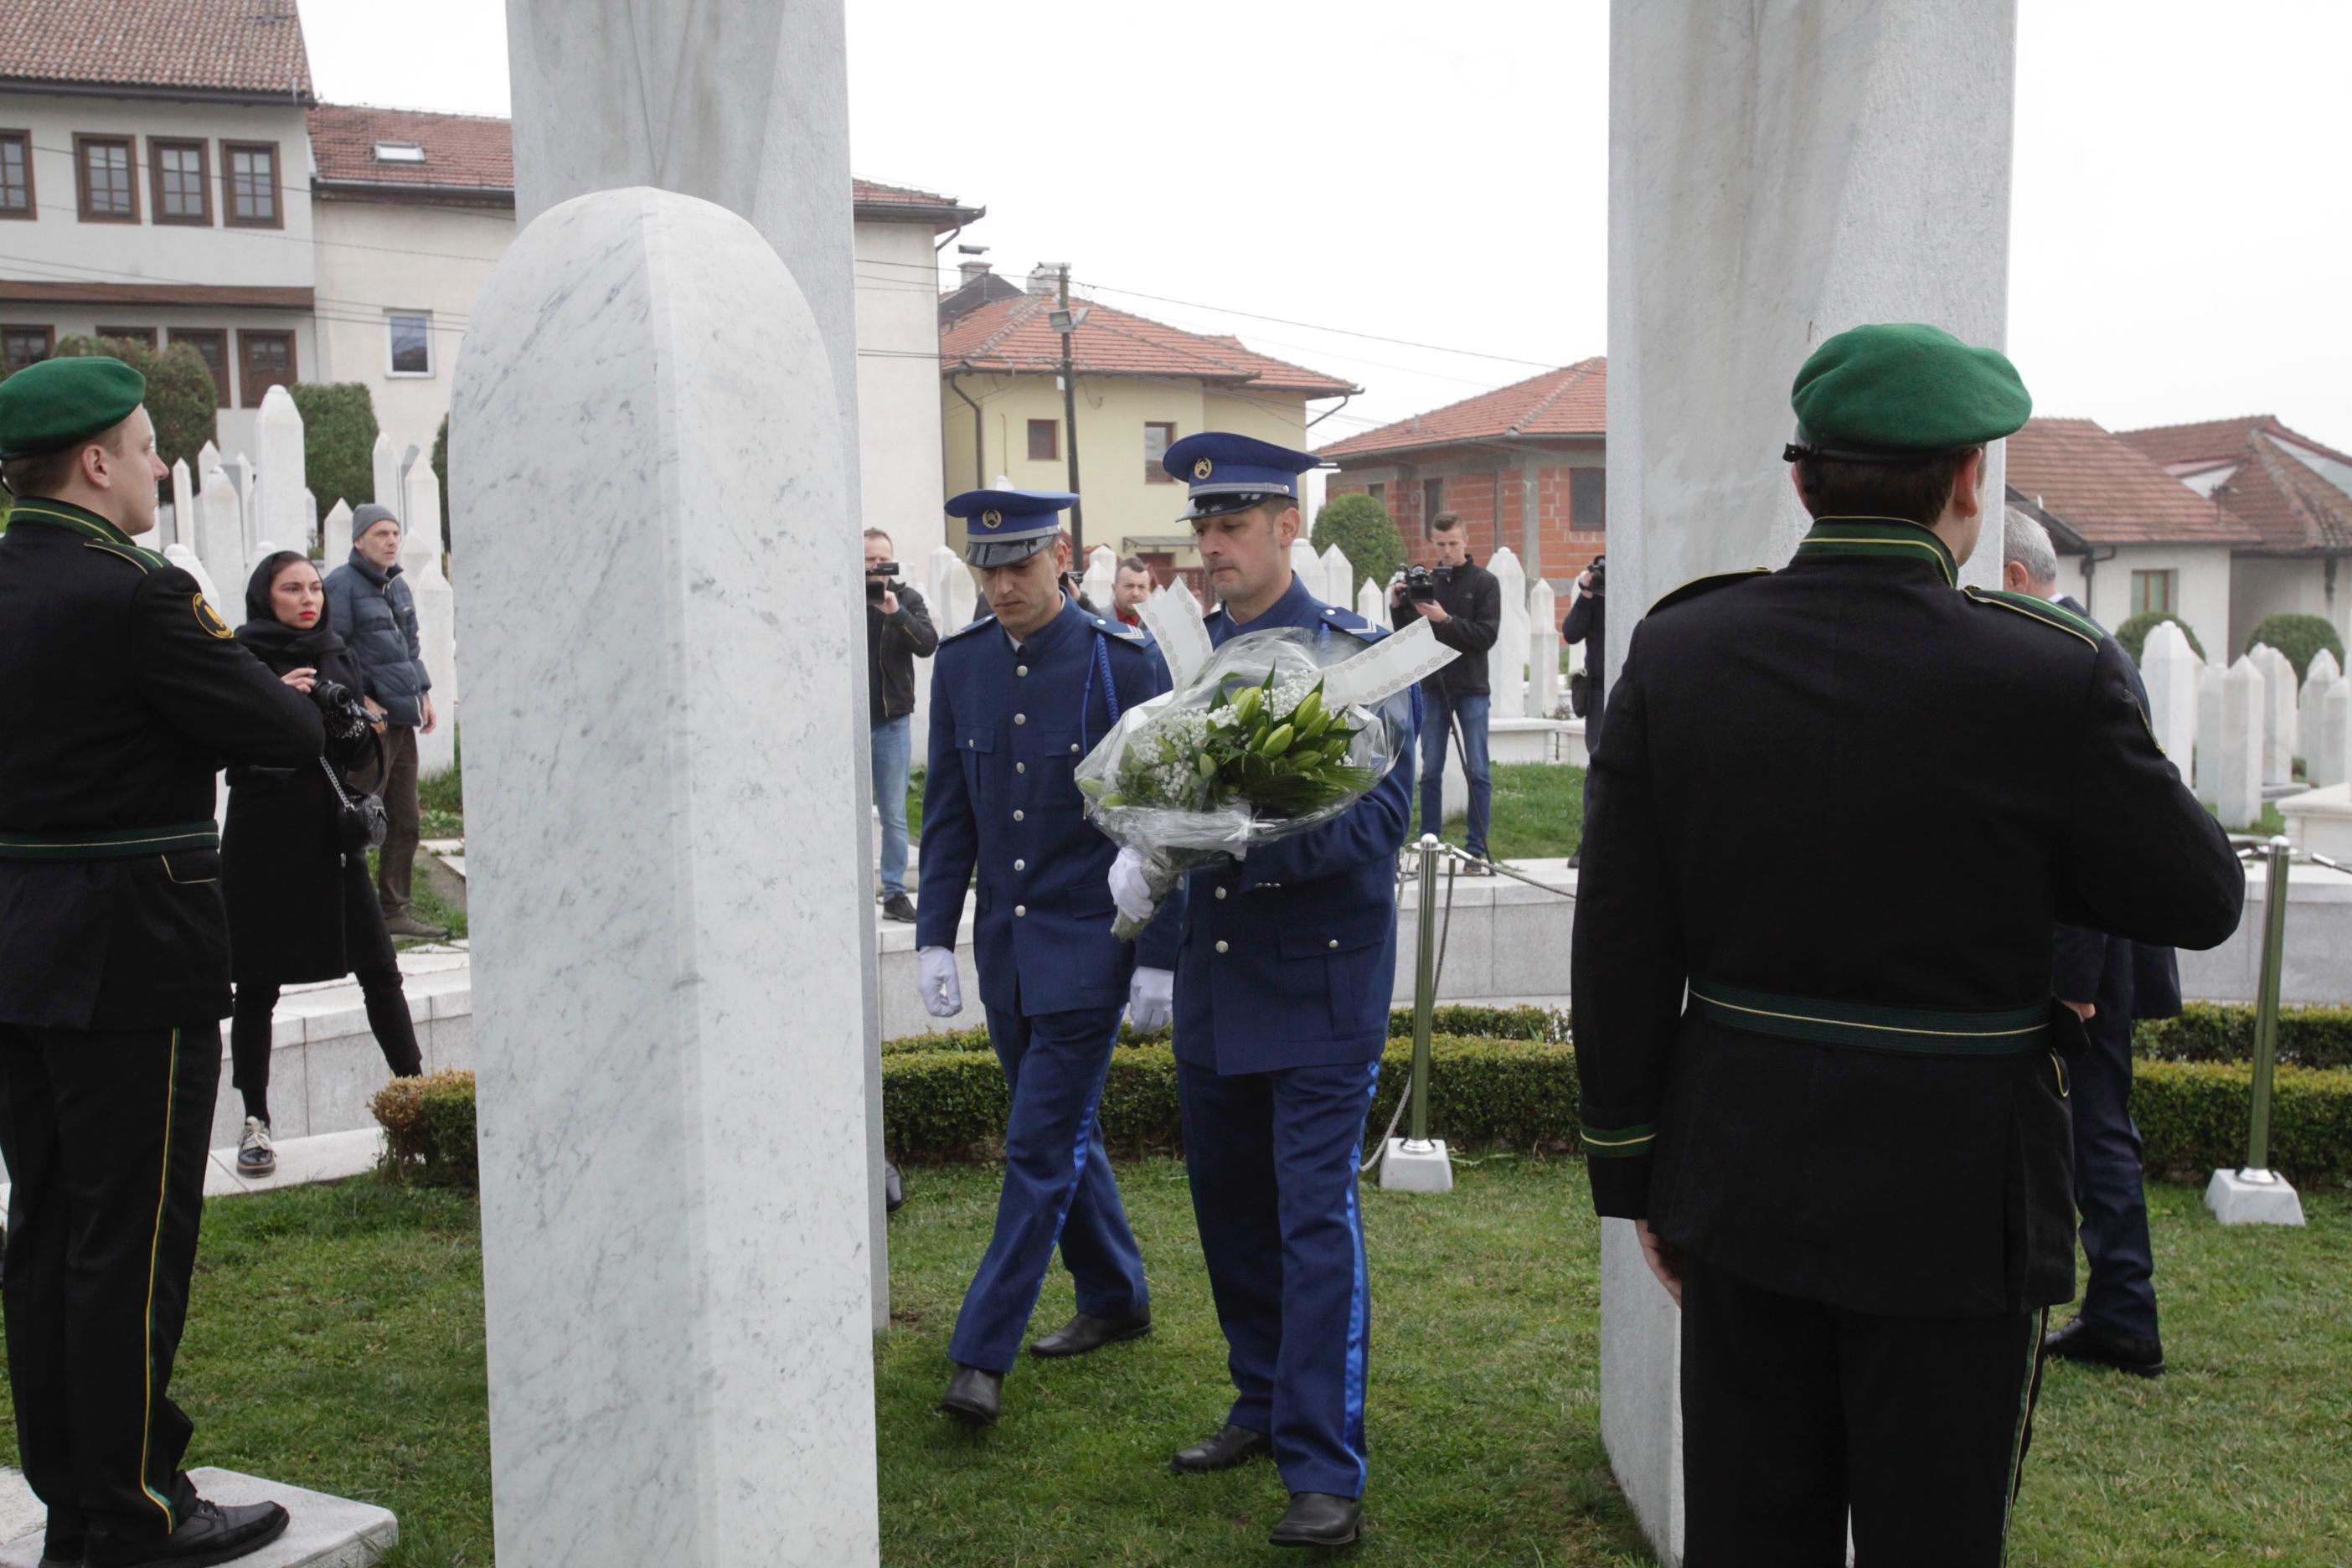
<point>1276,732</point>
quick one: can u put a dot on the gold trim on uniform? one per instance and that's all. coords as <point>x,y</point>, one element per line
<point>208,617</point>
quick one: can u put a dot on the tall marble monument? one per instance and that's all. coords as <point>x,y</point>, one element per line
<point>1773,180</point>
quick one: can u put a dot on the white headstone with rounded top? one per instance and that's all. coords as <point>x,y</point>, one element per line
<point>1507,660</point>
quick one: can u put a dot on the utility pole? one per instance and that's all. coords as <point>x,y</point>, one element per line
<point>1068,325</point>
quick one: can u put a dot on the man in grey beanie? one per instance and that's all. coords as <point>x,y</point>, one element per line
<point>374,610</point>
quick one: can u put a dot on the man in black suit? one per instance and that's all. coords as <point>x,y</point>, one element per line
<point>2110,982</point>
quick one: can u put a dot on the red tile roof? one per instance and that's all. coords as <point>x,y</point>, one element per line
<point>1571,401</point>
<point>242,47</point>
<point>2292,509</point>
<point>460,150</point>
<point>2109,493</point>
<point>1014,337</point>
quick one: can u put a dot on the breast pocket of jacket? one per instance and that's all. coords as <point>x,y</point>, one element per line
<point>1349,953</point>
<point>976,748</point>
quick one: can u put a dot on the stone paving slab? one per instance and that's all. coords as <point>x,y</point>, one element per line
<point>326,1533</point>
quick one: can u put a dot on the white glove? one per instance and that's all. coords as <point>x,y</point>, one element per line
<point>942,992</point>
<point>1151,999</point>
<point>1130,889</point>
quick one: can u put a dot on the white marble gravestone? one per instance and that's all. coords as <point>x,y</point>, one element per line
<point>1371,603</point>
<point>1543,651</point>
<point>2241,743</point>
<point>179,555</point>
<point>668,864</point>
<point>383,461</point>
<point>1773,181</point>
<point>2311,706</point>
<point>1506,660</point>
<point>1306,566</point>
<point>2169,667</point>
<point>280,508</point>
<point>954,596</point>
<point>436,612</point>
<point>1339,578</point>
<point>335,535</point>
<point>1101,576</point>
<point>2329,759</point>
<point>2213,683</point>
<point>2278,711</point>
<point>184,507</point>
<point>220,535</point>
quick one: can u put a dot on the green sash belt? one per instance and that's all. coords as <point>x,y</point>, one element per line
<point>2002,1032</point>
<point>109,843</point>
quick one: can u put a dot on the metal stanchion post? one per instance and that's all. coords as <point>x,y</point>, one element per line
<point>2256,1194</point>
<point>1419,1163</point>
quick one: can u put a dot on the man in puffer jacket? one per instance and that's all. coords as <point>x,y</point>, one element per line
<point>377,615</point>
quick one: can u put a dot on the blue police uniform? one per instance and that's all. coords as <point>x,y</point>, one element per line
<point>1283,984</point>
<point>1009,722</point>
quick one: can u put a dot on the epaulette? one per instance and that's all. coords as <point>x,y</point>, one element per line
<point>1118,631</point>
<point>1699,586</point>
<point>966,631</point>
<point>145,559</point>
<point>1349,621</point>
<point>2035,609</point>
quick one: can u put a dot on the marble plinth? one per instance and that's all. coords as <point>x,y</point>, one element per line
<point>664,845</point>
<point>323,1531</point>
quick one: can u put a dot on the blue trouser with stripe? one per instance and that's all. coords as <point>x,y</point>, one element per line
<point>1273,1162</point>
<point>1057,1188</point>
<point>2121,1292</point>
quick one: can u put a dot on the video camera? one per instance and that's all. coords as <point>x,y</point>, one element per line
<point>878,579</point>
<point>1421,582</point>
<point>1600,570</point>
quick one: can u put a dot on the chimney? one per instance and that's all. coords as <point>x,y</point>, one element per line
<point>1046,278</point>
<point>972,272</point>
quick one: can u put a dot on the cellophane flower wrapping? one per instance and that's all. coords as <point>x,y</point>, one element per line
<point>1246,755</point>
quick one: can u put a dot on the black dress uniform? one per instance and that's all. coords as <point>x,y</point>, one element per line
<point>121,693</point>
<point>1836,811</point>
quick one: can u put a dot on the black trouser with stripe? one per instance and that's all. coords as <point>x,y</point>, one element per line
<point>1795,1411</point>
<point>105,1136</point>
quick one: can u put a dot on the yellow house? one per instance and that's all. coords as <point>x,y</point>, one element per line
<point>1141,384</point>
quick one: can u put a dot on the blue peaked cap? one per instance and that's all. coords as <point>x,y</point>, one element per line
<point>1232,473</point>
<point>1006,526</point>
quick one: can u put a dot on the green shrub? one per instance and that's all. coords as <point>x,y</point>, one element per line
<point>338,431</point>
<point>2133,633</point>
<point>1494,1023</point>
<point>428,1130</point>
<point>1365,534</point>
<point>2193,1118</point>
<point>2299,638</point>
<point>2215,1032</point>
<point>181,397</point>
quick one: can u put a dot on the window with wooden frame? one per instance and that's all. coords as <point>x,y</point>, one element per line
<point>1588,500</point>
<point>263,360</point>
<point>1158,435</point>
<point>1045,439</point>
<point>16,174</point>
<point>2154,592</point>
<point>211,345</point>
<point>249,178</point>
<point>144,336</point>
<point>107,188</point>
<point>21,346</point>
<point>179,176</point>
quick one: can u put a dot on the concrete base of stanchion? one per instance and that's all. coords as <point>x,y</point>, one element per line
<point>2253,1197</point>
<point>1410,1167</point>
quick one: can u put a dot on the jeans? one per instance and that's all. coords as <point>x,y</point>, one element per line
<point>894,754</point>
<point>1438,715</point>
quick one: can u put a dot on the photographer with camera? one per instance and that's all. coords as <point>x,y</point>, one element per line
<point>294,871</point>
<point>899,631</point>
<point>1463,603</point>
<point>1588,623</point>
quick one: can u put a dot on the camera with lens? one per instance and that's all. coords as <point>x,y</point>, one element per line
<point>1421,582</point>
<point>1600,570</point>
<point>879,577</point>
<point>346,716</point>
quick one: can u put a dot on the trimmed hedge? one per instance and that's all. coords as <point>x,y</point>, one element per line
<point>2210,1032</point>
<point>1492,1022</point>
<point>1365,534</point>
<point>2133,633</point>
<point>2300,637</point>
<point>428,1130</point>
<point>2193,1116</point>
<point>339,432</point>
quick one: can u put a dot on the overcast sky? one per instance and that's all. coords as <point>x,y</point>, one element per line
<point>1438,176</point>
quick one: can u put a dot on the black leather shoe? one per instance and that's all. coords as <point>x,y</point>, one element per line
<point>974,1395</point>
<point>1231,1447</point>
<point>1319,1518</point>
<point>62,1546</point>
<point>210,1534</point>
<point>1086,1332</point>
<point>2101,1346</point>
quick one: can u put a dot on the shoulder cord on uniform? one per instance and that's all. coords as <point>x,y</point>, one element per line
<point>1086,697</point>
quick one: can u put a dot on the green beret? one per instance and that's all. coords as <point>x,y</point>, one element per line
<point>1902,390</point>
<point>54,403</point>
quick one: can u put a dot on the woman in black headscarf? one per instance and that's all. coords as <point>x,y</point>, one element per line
<point>301,906</point>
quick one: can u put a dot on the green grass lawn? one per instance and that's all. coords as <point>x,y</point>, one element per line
<point>336,1342</point>
<point>1538,813</point>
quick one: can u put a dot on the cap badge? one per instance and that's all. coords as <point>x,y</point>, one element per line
<point>991,518</point>
<point>1204,469</point>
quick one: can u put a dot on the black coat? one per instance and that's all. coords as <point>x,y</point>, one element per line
<point>1474,608</point>
<point>893,643</point>
<point>121,692</point>
<point>283,870</point>
<point>1588,623</point>
<point>1848,786</point>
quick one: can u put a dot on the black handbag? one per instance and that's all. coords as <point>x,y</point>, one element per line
<point>361,824</point>
<point>1580,693</point>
